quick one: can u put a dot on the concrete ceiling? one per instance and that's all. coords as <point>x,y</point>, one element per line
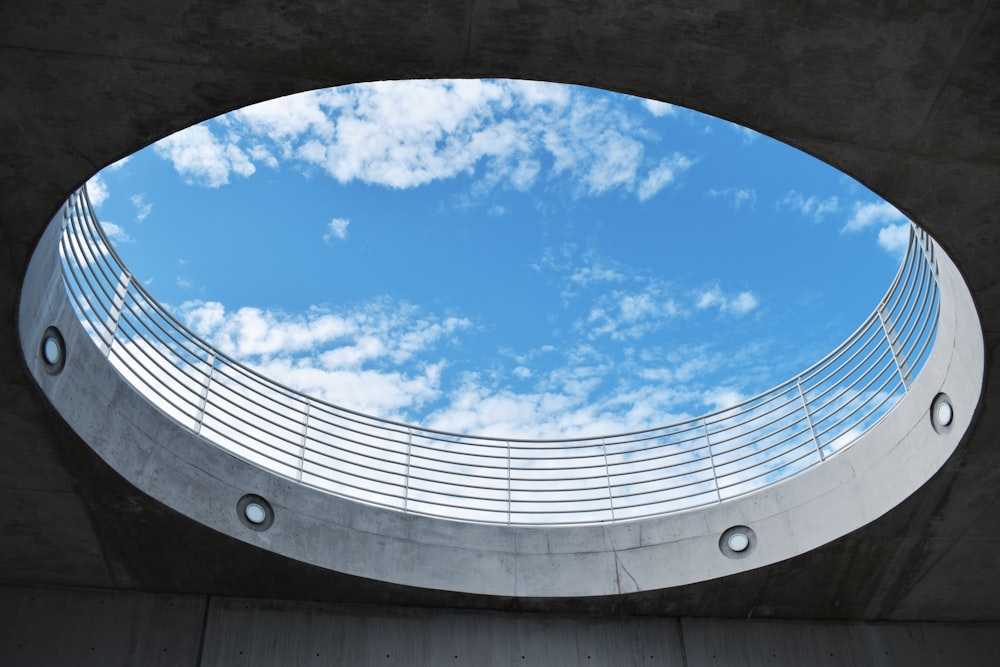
<point>905,98</point>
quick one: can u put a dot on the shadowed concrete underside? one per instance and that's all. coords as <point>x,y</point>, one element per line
<point>904,99</point>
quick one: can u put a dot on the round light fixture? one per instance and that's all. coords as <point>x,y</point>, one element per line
<point>52,351</point>
<point>942,413</point>
<point>737,542</point>
<point>254,512</point>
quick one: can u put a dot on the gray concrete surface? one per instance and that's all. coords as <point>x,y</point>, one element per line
<point>122,628</point>
<point>904,97</point>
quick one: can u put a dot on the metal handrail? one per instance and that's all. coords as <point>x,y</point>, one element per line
<point>708,459</point>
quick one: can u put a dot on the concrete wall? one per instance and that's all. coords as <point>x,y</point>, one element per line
<point>66,627</point>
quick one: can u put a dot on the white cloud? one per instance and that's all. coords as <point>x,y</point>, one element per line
<point>658,108</point>
<point>894,239</point>
<point>663,174</point>
<point>115,166</point>
<point>142,207</point>
<point>336,229</point>
<point>812,206</point>
<point>404,134</point>
<point>748,136</point>
<point>867,214</point>
<point>721,398</point>
<point>738,197</point>
<point>115,232</point>
<point>97,190</point>
<point>713,297</point>
<point>743,303</point>
<point>622,315</point>
<point>201,158</point>
<point>351,357</point>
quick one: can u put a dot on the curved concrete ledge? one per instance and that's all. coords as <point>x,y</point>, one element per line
<point>176,467</point>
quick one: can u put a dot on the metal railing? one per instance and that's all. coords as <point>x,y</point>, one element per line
<point>709,459</point>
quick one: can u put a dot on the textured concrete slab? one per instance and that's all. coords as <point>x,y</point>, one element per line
<point>905,98</point>
<point>63,627</point>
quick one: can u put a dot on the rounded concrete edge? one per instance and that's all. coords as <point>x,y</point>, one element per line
<point>821,504</point>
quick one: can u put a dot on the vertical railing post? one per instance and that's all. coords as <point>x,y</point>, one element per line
<point>304,439</point>
<point>607,477</point>
<point>893,348</point>
<point>205,387</point>
<point>111,323</point>
<point>510,509</point>
<point>711,460</point>
<point>406,474</point>
<point>812,427</point>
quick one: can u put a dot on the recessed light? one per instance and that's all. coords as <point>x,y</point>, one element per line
<point>944,413</point>
<point>738,542</point>
<point>255,513</point>
<point>52,351</point>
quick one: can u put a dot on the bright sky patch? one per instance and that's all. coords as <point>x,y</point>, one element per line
<point>502,257</point>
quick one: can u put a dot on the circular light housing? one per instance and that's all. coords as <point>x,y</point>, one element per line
<point>738,542</point>
<point>944,413</point>
<point>254,512</point>
<point>52,351</point>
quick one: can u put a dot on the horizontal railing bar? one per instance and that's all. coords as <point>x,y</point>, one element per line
<point>385,463</point>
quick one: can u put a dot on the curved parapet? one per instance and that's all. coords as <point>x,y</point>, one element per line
<point>806,462</point>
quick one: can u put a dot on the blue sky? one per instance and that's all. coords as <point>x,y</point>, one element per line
<point>504,258</point>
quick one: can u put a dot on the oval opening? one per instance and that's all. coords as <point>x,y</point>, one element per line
<point>655,404</point>
<point>506,258</point>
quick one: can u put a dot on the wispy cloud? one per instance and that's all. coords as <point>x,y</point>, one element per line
<point>747,136</point>
<point>663,175</point>
<point>97,189</point>
<point>737,197</point>
<point>893,227</point>
<point>142,207</point>
<point>812,206</point>
<point>336,229</point>
<point>658,108</point>
<point>894,238</point>
<point>868,214</point>
<point>115,232</point>
<point>352,357</point>
<point>202,159</point>
<point>738,304</point>
<point>404,134</point>
<point>622,315</point>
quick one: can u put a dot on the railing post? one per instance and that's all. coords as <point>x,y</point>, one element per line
<point>111,324</point>
<point>607,477</point>
<point>923,240</point>
<point>886,328</point>
<point>203,399</point>
<point>304,439</point>
<point>711,460</point>
<point>406,476</point>
<point>510,511</point>
<point>812,428</point>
